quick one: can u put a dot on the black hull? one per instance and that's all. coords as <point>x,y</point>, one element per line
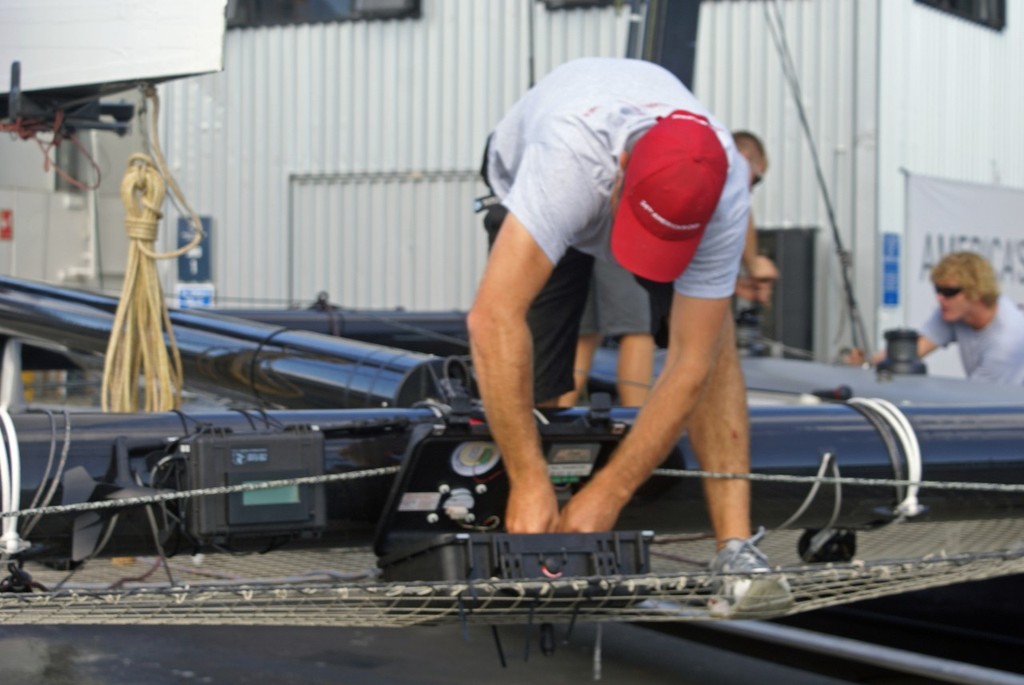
<point>978,445</point>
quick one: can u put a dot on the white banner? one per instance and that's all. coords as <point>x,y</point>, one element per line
<point>949,216</point>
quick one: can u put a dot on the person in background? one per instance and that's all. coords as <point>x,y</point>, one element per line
<point>616,304</point>
<point>759,272</point>
<point>987,326</point>
<point>617,308</point>
<point>615,159</point>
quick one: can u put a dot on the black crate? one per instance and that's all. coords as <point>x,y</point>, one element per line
<point>505,556</point>
<point>217,460</point>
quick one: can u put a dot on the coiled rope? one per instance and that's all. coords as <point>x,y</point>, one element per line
<point>136,346</point>
<point>900,426</point>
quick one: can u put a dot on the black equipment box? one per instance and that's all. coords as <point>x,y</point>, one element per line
<point>216,460</point>
<point>504,556</point>
<point>453,479</point>
<point>444,518</point>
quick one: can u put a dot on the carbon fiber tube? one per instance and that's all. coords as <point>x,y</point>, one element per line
<point>265,365</point>
<point>428,332</point>
<point>971,444</point>
<point>975,444</point>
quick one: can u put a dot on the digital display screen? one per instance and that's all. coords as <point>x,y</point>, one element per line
<point>286,494</point>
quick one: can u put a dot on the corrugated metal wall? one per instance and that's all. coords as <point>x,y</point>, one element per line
<point>343,157</point>
<point>954,105</point>
<point>740,75</point>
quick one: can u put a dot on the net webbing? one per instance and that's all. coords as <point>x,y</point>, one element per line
<point>341,587</point>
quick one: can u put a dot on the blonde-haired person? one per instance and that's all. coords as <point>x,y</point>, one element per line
<point>987,326</point>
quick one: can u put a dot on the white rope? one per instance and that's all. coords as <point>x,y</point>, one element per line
<point>5,489</point>
<point>911,449</point>
<point>10,474</point>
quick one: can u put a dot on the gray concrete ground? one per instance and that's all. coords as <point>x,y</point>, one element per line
<point>127,655</point>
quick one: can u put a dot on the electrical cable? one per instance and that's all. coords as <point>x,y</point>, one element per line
<point>155,529</point>
<point>827,463</point>
<point>49,460</point>
<point>57,476</point>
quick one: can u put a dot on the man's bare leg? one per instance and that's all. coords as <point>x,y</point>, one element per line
<point>720,434</point>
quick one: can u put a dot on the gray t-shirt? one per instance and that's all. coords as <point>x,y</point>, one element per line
<point>994,354</point>
<point>554,157</point>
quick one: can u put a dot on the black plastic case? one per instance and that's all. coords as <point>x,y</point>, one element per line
<point>481,556</point>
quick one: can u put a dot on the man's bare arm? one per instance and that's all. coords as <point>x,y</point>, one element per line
<point>925,345</point>
<point>760,271</point>
<point>697,334</point>
<point>502,352</point>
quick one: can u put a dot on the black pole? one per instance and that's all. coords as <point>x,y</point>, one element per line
<point>265,365</point>
<point>671,36</point>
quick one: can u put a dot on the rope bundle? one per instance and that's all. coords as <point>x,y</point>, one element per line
<point>136,346</point>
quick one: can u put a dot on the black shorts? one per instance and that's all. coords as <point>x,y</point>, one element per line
<point>554,316</point>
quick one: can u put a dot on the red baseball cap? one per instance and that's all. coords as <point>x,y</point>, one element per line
<point>674,178</point>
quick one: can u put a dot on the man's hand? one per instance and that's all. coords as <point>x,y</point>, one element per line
<point>591,510</point>
<point>502,349</point>
<point>756,285</point>
<point>532,508</point>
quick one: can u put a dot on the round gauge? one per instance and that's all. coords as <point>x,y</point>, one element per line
<point>475,458</point>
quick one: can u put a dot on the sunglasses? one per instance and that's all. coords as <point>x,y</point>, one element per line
<point>947,292</point>
<point>755,181</point>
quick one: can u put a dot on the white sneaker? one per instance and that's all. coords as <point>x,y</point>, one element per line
<point>739,592</point>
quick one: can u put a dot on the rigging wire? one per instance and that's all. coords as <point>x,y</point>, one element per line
<point>776,25</point>
<point>167,496</point>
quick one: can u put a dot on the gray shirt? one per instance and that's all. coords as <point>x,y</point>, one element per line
<point>554,157</point>
<point>994,354</point>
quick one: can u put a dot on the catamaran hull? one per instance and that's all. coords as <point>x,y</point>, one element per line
<point>789,446</point>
